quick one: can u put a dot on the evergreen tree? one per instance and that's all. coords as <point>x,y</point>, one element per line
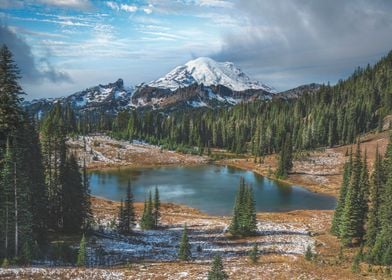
<point>73,197</point>
<point>82,253</point>
<point>355,266</point>
<point>381,253</point>
<point>249,215</point>
<point>308,253</point>
<point>285,163</point>
<point>336,222</point>
<point>121,218</point>
<point>351,222</point>
<point>86,203</point>
<point>184,252</point>
<point>54,160</point>
<point>254,254</point>
<point>363,199</point>
<point>147,220</point>
<point>157,206</point>
<point>6,203</point>
<point>217,271</point>
<point>244,221</point>
<point>10,96</point>
<point>129,210</point>
<point>373,221</point>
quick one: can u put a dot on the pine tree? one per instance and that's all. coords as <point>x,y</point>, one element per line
<point>244,221</point>
<point>336,222</point>
<point>86,203</point>
<point>157,206</point>
<point>73,197</point>
<point>217,271</point>
<point>7,197</point>
<point>254,254</point>
<point>352,213</point>
<point>285,163</point>
<point>121,218</point>
<point>10,95</point>
<point>147,220</point>
<point>82,253</point>
<point>373,220</point>
<point>308,253</point>
<point>355,266</point>
<point>249,220</point>
<point>381,252</point>
<point>234,227</point>
<point>363,199</point>
<point>129,210</point>
<point>184,252</point>
<point>281,172</point>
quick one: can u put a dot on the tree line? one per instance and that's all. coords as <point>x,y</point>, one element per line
<point>364,211</point>
<point>42,188</point>
<point>333,115</point>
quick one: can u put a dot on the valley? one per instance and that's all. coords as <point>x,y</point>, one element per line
<point>234,148</point>
<point>282,237</point>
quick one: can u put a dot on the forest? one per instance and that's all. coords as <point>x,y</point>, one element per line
<point>44,190</point>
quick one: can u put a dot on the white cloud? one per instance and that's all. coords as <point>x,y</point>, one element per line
<point>147,10</point>
<point>124,7</point>
<point>76,4</point>
<point>113,5</point>
<point>216,3</point>
<point>300,39</point>
<point>128,8</point>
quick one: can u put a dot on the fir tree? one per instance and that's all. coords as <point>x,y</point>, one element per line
<point>217,271</point>
<point>382,250</point>
<point>352,213</point>
<point>373,220</point>
<point>7,205</point>
<point>147,220</point>
<point>86,203</point>
<point>184,252</point>
<point>249,215</point>
<point>355,266</point>
<point>363,199</point>
<point>336,222</point>
<point>157,206</point>
<point>10,95</point>
<point>308,253</point>
<point>121,218</point>
<point>254,254</point>
<point>243,222</point>
<point>73,197</point>
<point>285,163</point>
<point>129,211</point>
<point>82,253</point>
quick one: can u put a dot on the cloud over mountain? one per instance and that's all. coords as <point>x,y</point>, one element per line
<point>26,61</point>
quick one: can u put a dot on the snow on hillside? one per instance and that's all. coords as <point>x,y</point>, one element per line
<point>207,71</point>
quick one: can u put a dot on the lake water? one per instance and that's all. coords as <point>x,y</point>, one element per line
<point>210,188</point>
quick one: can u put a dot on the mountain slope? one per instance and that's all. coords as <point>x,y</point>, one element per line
<point>208,72</point>
<point>108,98</point>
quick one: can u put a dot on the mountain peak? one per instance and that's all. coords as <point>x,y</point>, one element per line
<point>206,71</point>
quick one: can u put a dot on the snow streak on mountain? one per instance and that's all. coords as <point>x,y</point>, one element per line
<point>208,72</point>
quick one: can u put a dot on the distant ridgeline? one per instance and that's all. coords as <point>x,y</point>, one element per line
<point>311,116</point>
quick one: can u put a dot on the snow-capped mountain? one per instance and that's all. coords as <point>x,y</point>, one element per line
<point>202,82</point>
<point>108,98</point>
<point>208,72</point>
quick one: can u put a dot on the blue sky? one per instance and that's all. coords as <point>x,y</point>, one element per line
<point>63,46</point>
